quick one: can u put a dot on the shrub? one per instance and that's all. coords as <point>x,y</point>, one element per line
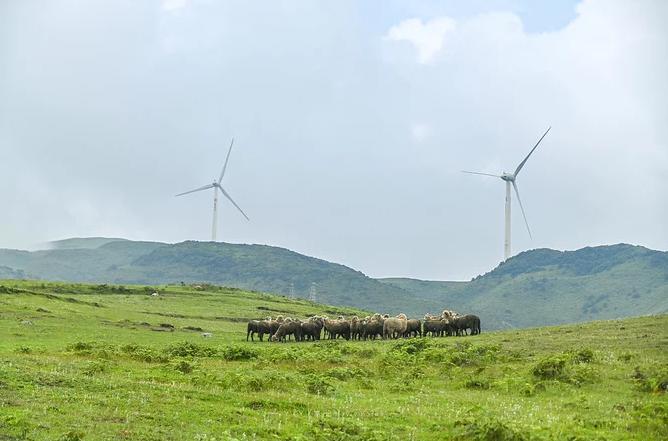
<point>189,349</point>
<point>477,383</point>
<point>484,429</point>
<point>236,353</point>
<point>550,368</point>
<point>184,366</point>
<point>652,379</point>
<point>94,367</point>
<point>318,385</point>
<point>81,347</point>
<point>583,355</point>
<point>72,435</point>
<point>412,346</point>
<point>144,353</point>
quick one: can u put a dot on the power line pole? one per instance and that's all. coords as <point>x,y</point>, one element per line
<point>313,294</point>
<point>292,290</point>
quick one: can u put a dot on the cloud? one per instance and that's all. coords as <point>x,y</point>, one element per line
<point>427,38</point>
<point>420,131</point>
<point>102,122</point>
<point>174,5</point>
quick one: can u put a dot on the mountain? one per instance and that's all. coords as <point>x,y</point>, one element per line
<point>255,267</point>
<point>545,286</point>
<point>534,288</point>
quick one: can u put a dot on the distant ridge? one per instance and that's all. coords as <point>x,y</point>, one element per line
<point>535,288</point>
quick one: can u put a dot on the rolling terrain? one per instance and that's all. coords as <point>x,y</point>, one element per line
<point>534,288</point>
<point>100,362</point>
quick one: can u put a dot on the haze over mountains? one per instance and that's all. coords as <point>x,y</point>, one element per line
<point>535,288</point>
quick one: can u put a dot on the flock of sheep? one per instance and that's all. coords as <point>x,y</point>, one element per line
<point>368,328</point>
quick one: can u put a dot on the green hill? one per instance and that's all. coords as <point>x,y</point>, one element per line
<point>101,362</point>
<point>254,267</point>
<point>534,288</point>
<point>547,287</point>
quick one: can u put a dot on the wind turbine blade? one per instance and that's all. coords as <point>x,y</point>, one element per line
<point>227,158</point>
<point>197,189</point>
<point>234,203</point>
<point>519,167</point>
<point>478,173</point>
<point>522,208</point>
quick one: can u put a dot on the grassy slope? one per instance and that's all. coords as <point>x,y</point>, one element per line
<point>552,287</point>
<point>78,362</point>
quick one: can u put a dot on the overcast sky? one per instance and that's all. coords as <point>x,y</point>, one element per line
<point>352,122</point>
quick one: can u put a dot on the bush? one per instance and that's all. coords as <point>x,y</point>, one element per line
<point>477,383</point>
<point>94,367</point>
<point>184,366</point>
<point>412,346</point>
<point>651,379</point>
<point>144,353</point>
<point>72,435</point>
<point>583,355</point>
<point>550,368</point>
<point>483,429</point>
<point>189,349</point>
<point>236,353</point>
<point>318,385</point>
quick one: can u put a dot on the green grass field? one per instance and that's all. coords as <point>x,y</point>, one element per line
<point>94,363</point>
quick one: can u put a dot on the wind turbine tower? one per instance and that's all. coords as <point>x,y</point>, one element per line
<point>216,185</point>
<point>510,179</point>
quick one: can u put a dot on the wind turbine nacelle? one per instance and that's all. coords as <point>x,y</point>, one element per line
<point>508,177</point>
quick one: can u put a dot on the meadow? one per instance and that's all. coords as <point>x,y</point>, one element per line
<point>103,362</point>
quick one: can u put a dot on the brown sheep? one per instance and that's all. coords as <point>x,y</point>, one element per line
<point>288,328</point>
<point>394,327</point>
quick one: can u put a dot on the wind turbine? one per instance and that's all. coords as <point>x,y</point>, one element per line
<point>217,187</point>
<point>510,179</point>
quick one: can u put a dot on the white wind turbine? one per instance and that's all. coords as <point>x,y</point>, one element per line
<point>216,187</point>
<point>510,179</point>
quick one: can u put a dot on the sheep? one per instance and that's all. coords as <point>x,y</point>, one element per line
<point>288,328</point>
<point>355,328</point>
<point>468,321</point>
<point>259,327</point>
<point>337,328</point>
<point>394,327</point>
<point>311,329</point>
<point>373,327</point>
<point>433,325</point>
<point>413,328</point>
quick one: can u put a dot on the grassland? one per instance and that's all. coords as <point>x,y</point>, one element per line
<point>98,362</point>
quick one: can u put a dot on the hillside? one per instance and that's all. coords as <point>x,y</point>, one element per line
<point>99,362</point>
<point>547,287</point>
<point>254,267</point>
<point>534,288</point>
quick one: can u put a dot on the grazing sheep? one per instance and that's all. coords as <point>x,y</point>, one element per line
<point>288,328</point>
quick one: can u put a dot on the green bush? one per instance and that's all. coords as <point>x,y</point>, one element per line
<point>189,349</point>
<point>651,379</point>
<point>184,366</point>
<point>550,368</point>
<point>318,385</point>
<point>486,429</point>
<point>238,353</point>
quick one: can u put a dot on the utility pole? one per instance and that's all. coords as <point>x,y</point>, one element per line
<point>313,294</point>
<point>292,290</point>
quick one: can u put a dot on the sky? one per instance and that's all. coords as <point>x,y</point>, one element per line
<point>352,122</point>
